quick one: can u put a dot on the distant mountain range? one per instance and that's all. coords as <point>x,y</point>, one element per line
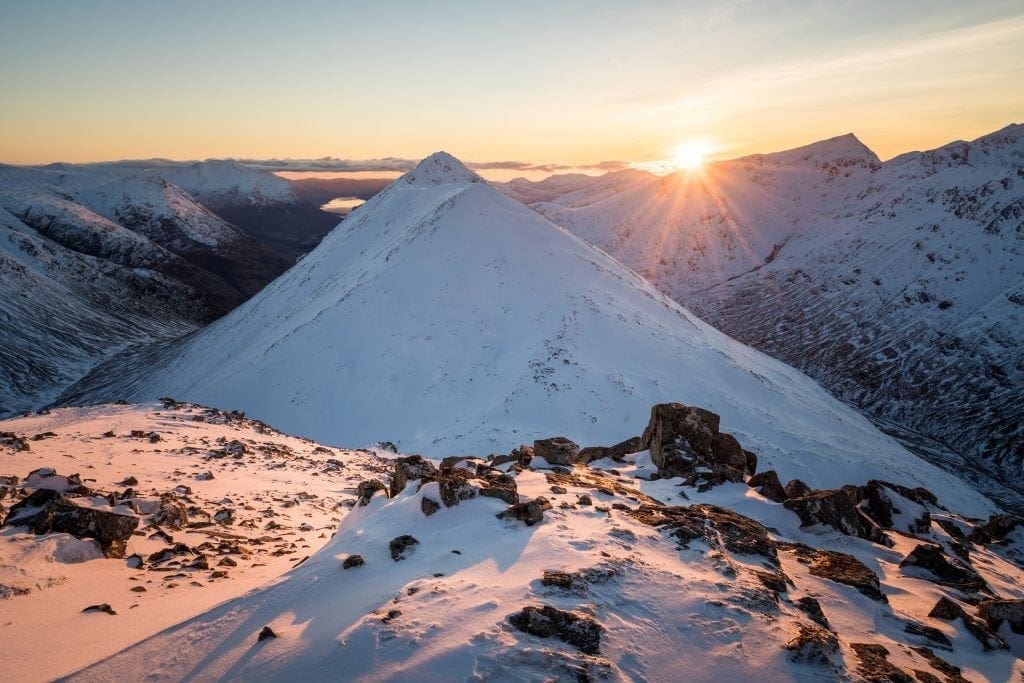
<point>899,285</point>
<point>94,258</point>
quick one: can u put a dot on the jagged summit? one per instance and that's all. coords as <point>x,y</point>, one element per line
<point>441,168</point>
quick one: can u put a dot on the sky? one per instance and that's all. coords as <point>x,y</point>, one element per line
<point>568,83</point>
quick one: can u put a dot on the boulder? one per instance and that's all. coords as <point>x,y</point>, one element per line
<point>682,438</point>
<point>624,448</point>
<point>834,508</point>
<point>353,561</point>
<point>528,512</point>
<point>45,511</point>
<point>171,513</point>
<point>942,569</point>
<point>768,485</point>
<point>578,630</point>
<point>797,489</point>
<point>408,469</point>
<point>366,489</point>
<point>558,450</point>
<point>889,508</point>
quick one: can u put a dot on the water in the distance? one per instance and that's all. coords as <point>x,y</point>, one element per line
<point>341,205</point>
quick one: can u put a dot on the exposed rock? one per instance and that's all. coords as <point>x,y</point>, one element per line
<point>952,673</point>
<point>718,527</point>
<point>873,664</point>
<point>948,610</point>
<point>578,630</point>
<point>428,506</point>
<point>585,500</point>
<point>930,632</point>
<point>558,450</point>
<point>775,581</point>
<point>835,509</point>
<point>768,485</point>
<point>624,448</point>
<point>353,561</point>
<point>838,567</point>
<point>102,607</point>
<point>366,489</point>
<point>995,612</point>
<point>399,545</point>
<point>45,511</point>
<point>528,512</point>
<point>12,440</point>
<point>559,579</point>
<point>797,489</point>
<point>204,476</point>
<point>128,481</point>
<point>521,456</point>
<point>225,516</point>
<point>812,608</point>
<point>881,500</point>
<point>813,645</point>
<point>410,468</point>
<point>559,490</point>
<point>682,438</point>
<point>943,569</point>
<point>171,513</point>
<point>996,529</point>
<point>266,633</point>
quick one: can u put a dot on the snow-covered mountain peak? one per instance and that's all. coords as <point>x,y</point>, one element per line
<point>843,151</point>
<point>441,168</point>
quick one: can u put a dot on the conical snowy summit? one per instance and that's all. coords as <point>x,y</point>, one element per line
<point>448,318</point>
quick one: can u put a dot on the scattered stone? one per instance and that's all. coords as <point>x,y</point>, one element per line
<point>585,500</point>
<point>768,485</point>
<point>204,476</point>
<point>138,589</point>
<point>558,450</point>
<point>578,630</point>
<point>354,561</point>
<point>171,513</point>
<point>399,545</point>
<point>45,511</point>
<point>559,579</point>
<point>267,632</point>
<point>103,607</point>
<point>12,440</point>
<point>128,481</point>
<point>813,645</point>
<point>835,509</point>
<point>528,512</point>
<point>942,569</point>
<point>812,608</point>
<point>559,490</point>
<point>873,664</point>
<point>224,516</point>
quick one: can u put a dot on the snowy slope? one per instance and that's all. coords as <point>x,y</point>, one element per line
<point>665,607</point>
<point>448,318</point>
<point>95,258</point>
<point>897,286</point>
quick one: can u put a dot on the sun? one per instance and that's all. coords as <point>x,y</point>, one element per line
<point>691,155</point>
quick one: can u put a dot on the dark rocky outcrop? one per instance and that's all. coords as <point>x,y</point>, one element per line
<point>683,438</point>
<point>951,673</point>
<point>949,610</point>
<point>768,485</point>
<point>995,612</point>
<point>45,511</point>
<point>930,633</point>
<point>813,645</point>
<point>834,508</point>
<point>171,513</point>
<point>399,545</point>
<point>410,468</point>
<point>797,489</point>
<point>812,608</point>
<point>558,450</point>
<point>528,512</point>
<point>996,529</point>
<point>945,570</point>
<point>578,630</point>
<point>366,489</point>
<point>716,526</point>
<point>873,664</point>
<point>353,561</point>
<point>838,567</point>
<point>265,633</point>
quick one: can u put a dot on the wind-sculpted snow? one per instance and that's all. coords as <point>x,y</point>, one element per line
<point>448,318</point>
<point>898,286</point>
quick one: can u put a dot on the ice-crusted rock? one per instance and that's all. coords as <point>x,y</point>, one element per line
<point>578,630</point>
